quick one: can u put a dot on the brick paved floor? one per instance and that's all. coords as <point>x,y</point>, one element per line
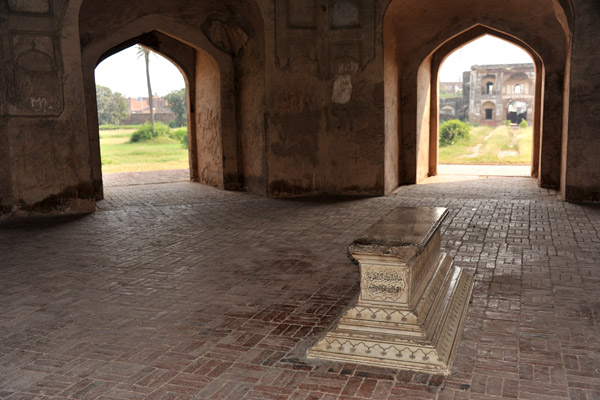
<point>484,170</point>
<point>146,177</point>
<point>180,291</point>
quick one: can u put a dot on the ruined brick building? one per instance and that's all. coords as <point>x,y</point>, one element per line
<point>139,111</point>
<point>492,94</point>
<point>498,93</point>
<point>344,88</point>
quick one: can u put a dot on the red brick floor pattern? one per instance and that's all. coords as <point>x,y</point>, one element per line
<point>146,177</point>
<point>180,291</point>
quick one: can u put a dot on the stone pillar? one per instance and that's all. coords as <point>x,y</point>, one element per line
<point>413,300</point>
<point>44,149</point>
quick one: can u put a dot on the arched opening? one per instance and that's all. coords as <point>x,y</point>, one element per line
<point>487,140</point>
<point>488,86</point>
<point>497,85</point>
<point>516,111</point>
<point>208,98</point>
<point>204,101</point>
<point>143,115</point>
<point>411,69</point>
<point>219,48</point>
<point>487,110</point>
<point>448,111</point>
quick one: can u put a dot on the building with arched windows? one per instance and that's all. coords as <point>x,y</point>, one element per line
<point>497,93</point>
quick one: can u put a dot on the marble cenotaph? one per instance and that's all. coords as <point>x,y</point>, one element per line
<point>413,300</point>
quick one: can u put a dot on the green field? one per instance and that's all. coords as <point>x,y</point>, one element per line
<point>118,155</point>
<point>487,145</point>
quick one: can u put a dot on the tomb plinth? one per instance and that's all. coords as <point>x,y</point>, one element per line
<point>413,300</point>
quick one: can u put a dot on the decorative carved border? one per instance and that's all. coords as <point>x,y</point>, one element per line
<point>383,283</point>
<point>20,7</point>
<point>360,36</point>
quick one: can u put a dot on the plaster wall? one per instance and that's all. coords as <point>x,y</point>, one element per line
<point>424,116</point>
<point>42,109</point>
<point>325,98</point>
<point>581,167</point>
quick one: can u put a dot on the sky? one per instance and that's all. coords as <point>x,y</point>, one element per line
<point>485,50</point>
<point>125,73</point>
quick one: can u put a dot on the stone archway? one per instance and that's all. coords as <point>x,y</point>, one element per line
<point>437,28</point>
<point>209,98</point>
<point>516,111</point>
<point>218,47</point>
<point>490,112</point>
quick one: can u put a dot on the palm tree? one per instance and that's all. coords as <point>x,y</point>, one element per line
<point>144,51</point>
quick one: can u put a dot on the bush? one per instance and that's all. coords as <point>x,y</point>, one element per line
<point>181,135</point>
<point>178,134</point>
<point>523,124</point>
<point>145,133</point>
<point>184,141</point>
<point>452,130</point>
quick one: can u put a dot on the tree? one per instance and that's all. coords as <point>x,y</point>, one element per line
<point>112,107</point>
<point>145,52</point>
<point>177,104</point>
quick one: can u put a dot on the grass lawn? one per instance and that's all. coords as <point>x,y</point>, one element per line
<point>486,145</point>
<point>118,155</point>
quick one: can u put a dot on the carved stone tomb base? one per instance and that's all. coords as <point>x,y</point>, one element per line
<point>413,300</point>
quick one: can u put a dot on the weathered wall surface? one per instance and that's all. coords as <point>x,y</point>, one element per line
<point>581,178</point>
<point>45,158</point>
<point>325,101</point>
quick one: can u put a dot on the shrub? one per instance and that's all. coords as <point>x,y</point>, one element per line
<point>178,134</point>
<point>181,135</point>
<point>452,130</point>
<point>523,124</point>
<point>144,133</point>
<point>184,141</point>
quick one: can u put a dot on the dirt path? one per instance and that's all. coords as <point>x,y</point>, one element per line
<point>477,148</point>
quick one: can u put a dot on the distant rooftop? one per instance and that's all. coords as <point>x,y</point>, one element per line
<point>491,66</point>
